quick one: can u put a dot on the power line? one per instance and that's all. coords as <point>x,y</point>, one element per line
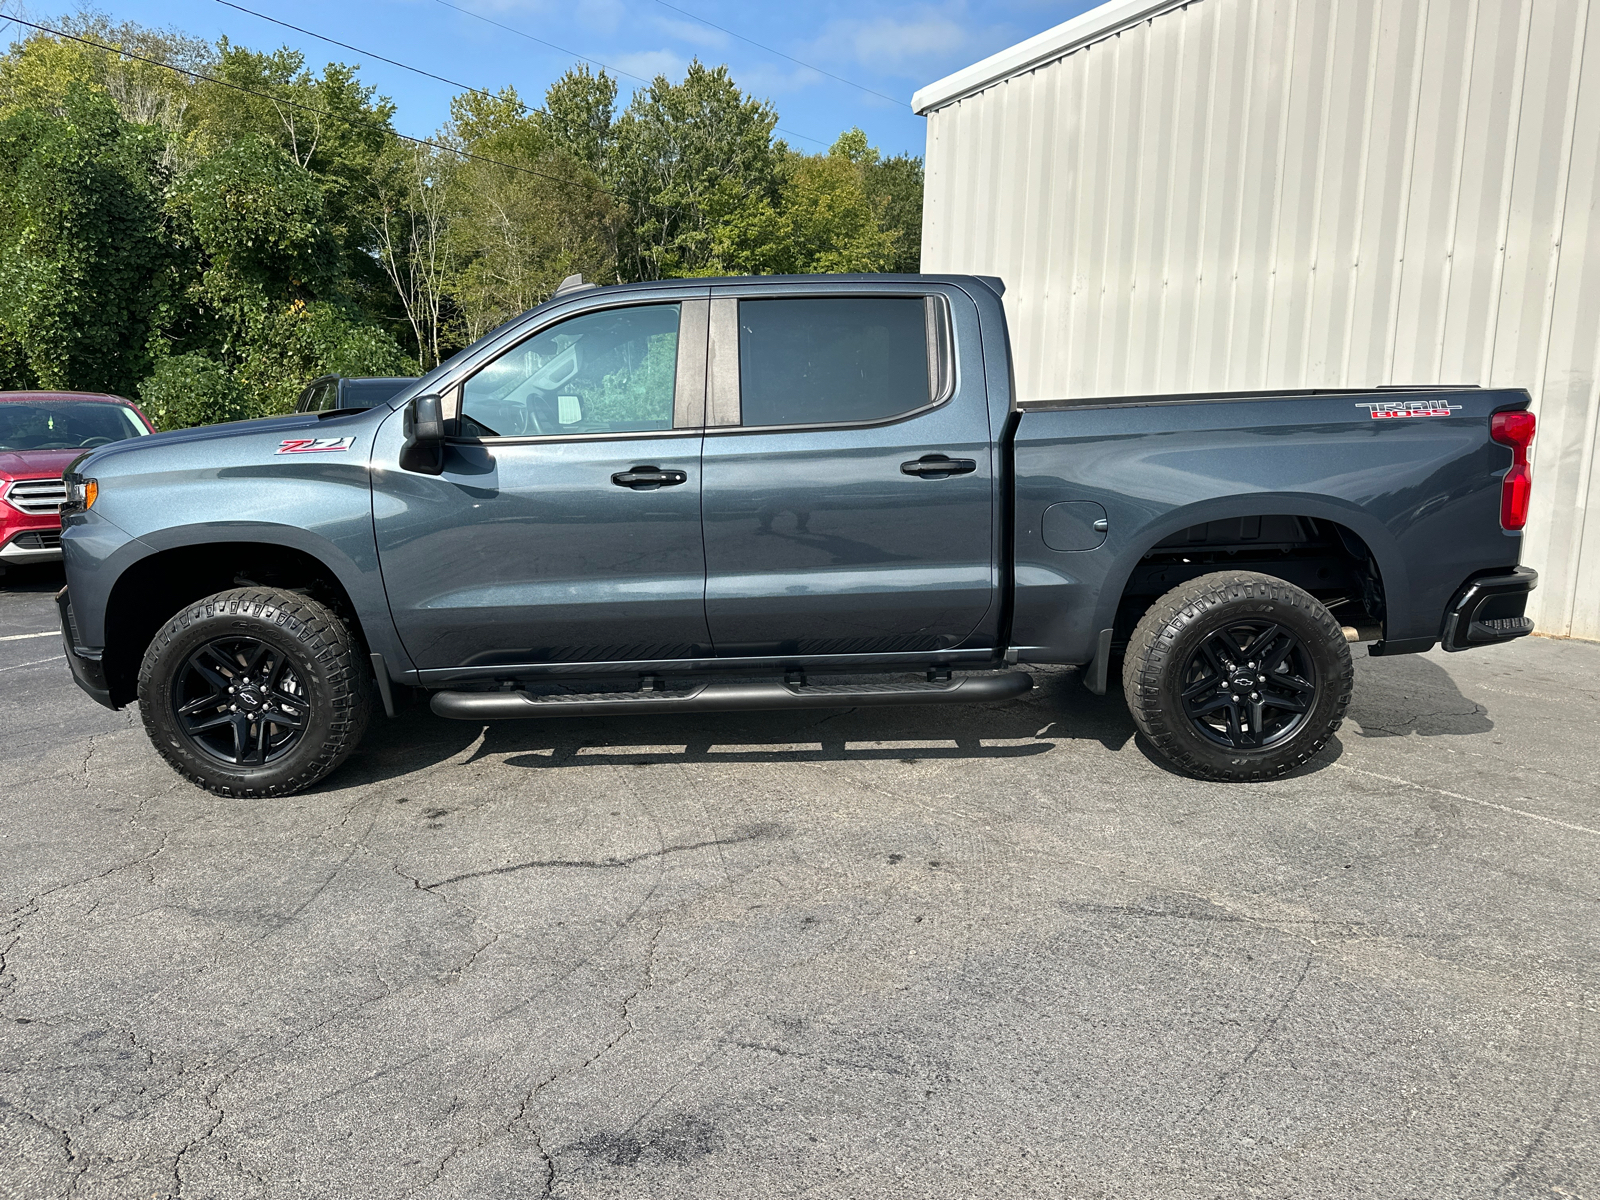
<point>562,49</point>
<point>237,87</point>
<point>466,87</point>
<point>585,58</point>
<point>752,42</point>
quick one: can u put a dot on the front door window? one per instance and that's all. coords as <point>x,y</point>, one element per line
<point>604,372</point>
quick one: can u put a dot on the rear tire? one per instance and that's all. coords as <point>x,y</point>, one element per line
<point>254,692</point>
<point>1237,676</point>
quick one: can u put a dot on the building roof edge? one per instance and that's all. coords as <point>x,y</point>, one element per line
<point>1098,23</point>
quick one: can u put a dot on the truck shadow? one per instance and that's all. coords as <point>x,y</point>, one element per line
<point>1058,710</point>
<point>1394,697</point>
<point>1412,694</point>
<point>40,578</point>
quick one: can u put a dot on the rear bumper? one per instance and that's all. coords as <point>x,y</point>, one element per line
<point>88,672</point>
<point>1489,610</point>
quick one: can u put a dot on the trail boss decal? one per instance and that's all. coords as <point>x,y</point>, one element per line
<point>315,445</point>
<point>1410,408</point>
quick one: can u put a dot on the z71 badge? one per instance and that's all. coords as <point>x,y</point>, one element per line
<point>315,445</point>
<point>1410,408</point>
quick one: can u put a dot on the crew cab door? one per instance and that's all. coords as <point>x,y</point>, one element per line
<point>565,526</point>
<point>848,490</point>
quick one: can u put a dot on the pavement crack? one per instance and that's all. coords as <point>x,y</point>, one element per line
<point>627,1027</point>
<point>193,1143</point>
<point>1536,1142</point>
<point>1266,1033</point>
<point>606,864</point>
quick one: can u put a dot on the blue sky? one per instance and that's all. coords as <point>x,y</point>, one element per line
<point>892,48</point>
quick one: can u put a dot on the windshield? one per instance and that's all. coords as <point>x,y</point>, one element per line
<point>65,425</point>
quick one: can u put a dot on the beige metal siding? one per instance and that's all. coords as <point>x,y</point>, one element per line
<point>1341,193</point>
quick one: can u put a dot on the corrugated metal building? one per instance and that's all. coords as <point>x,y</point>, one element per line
<point>1322,193</point>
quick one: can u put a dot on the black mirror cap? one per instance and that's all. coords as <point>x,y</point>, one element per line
<point>427,419</point>
<point>424,430</point>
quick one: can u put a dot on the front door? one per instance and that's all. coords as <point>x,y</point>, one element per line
<point>848,478</point>
<point>565,527</point>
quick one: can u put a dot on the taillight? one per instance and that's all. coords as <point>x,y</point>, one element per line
<point>1514,429</point>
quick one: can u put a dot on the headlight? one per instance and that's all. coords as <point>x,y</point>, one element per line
<point>81,494</point>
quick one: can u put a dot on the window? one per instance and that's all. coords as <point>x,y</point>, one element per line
<point>604,372</point>
<point>65,425</point>
<point>832,361</point>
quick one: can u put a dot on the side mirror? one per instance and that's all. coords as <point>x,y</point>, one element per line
<point>424,431</point>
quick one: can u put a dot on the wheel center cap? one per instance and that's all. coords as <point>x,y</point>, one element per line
<point>1244,682</point>
<point>249,697</point>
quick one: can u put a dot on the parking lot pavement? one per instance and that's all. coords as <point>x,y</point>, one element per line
<point>976,952</point>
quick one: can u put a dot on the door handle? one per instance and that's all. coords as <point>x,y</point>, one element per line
<point>648,478</point>
<point>938,466</point>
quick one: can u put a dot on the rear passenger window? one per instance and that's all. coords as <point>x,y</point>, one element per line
<point>832,361</point>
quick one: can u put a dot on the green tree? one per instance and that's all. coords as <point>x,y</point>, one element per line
<point>894,185</point>
<point>331,126</point>
<point>416,210</point>
<point>266,312</point>
<point>687,157</point>
<point>525,213</point>
<point>824,220</point>
<point>82,256</point>
<point>579,110</point>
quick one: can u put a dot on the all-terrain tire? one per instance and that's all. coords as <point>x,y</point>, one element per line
<point>1168,637</point>
<point>316,645</point>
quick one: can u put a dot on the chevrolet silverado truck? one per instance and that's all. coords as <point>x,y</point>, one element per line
<point>775,493</point>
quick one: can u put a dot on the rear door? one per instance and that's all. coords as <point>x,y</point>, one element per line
<point>848,484</point>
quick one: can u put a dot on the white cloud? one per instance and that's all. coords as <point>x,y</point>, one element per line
<point>693,33</point>
<point>647,64</point>
<point>900,45</point>
<point>600,16</point>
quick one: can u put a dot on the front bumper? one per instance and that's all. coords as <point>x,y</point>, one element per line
<point>31,546</point>
<point>1489,610</point>
<point>88,672</point>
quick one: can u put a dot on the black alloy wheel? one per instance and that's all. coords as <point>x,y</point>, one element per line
<point>1249,685</point>
<point>255,691</point>
<point>240,701</point>
<point>1237,676</point>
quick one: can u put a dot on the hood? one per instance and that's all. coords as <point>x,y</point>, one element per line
<point>31,464</point>
<point>202,433</point>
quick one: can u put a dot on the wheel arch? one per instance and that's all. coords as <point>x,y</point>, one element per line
<point>149,590</point>
<point>1359,536</point>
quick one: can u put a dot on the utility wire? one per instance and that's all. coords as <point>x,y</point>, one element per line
<point>580,57</point>
<point>595,62</point>
<point>466,87</point>
<point>752,42</point>
<point>237,87</point>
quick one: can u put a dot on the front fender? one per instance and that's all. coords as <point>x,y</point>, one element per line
<point>236,488</point>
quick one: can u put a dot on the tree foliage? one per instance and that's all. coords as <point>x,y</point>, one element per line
<point>81,246</point>
<point>210,241</point>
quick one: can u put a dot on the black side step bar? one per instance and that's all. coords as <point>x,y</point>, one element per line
<point>730,696</point>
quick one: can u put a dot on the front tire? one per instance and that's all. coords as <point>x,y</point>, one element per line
<point>254,692</point>
<point>1238,676</point>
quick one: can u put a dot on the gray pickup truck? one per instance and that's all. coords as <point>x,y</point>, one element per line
<point>780,493</point>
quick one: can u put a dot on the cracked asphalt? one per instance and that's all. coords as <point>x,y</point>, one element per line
<point>975,952</point>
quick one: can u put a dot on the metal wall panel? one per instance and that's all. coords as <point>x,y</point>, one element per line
<point>1275,193</point>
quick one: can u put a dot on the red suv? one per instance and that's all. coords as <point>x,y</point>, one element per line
<point>40,434</point>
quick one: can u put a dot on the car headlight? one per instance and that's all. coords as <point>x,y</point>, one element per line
<point>81,494</point>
